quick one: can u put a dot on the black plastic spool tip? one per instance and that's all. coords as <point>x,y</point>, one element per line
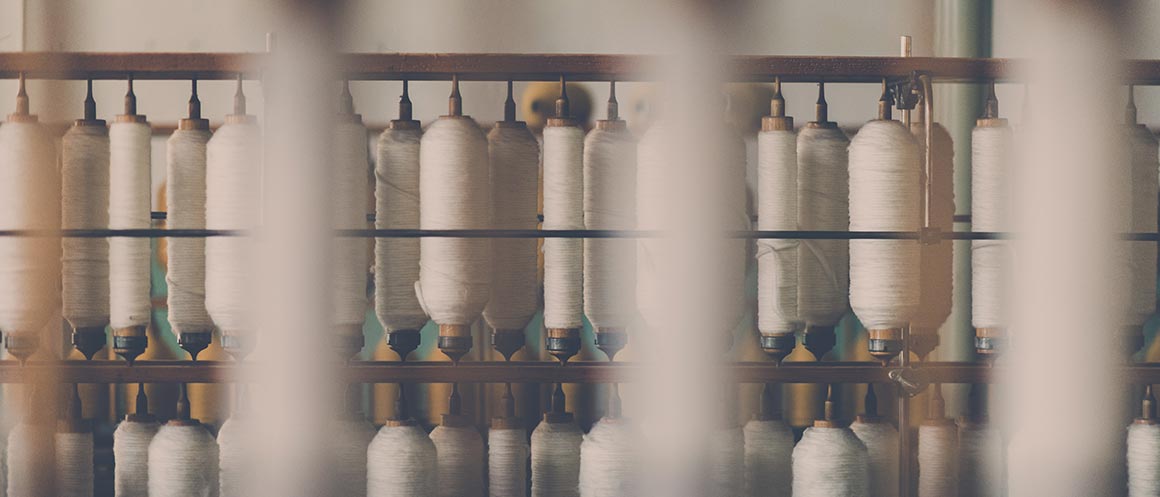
<point>611,342</point>
<point>89,341</point>
<point>988,347</point>
<point>564,347</point>
<point>507,342</point>
<point>90,103</point>
<point>403,342</point>
<point>777,347</point>
<point>770,408</point>
<point>130,347</point>
<point>455,347</point>
<point>194,342</point>
<point>21,345</point>
<point>819,341</point>
<point>870,402</point>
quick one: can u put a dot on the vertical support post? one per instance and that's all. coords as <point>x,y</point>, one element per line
<point>904,443</point>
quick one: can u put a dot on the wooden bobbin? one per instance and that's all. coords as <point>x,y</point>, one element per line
<point>239,115</point>
<point>558,412</point>
<point>1147,408</point>
<point>183,418</point>
<point>21,114</point>
<point>194,120</point>
<point>454,418</point>
<point>141,414</point>
<point>821,111</point>
<point>828,420</point>
<point>507,420</point>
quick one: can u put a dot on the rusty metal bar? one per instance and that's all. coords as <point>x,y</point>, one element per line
<point>499,372</point>
<point>519,67</point>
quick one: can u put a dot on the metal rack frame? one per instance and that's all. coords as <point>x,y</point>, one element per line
<point>915,74</point>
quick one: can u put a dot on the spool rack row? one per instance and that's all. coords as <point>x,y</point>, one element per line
<point>531,67</point>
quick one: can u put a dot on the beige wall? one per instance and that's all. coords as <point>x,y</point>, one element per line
<point>832,27</point>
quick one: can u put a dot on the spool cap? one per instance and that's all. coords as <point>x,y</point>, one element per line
<point>819,340</point>
<point>130,342</point>
<point>507,342</point>
<point>194,342</point>
<point>611,341</point>
<point>403,342</point>
<point>455,341</point>
<point>563,343</point>
<point>89,340</point>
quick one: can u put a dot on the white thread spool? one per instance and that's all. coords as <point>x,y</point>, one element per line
<point>459,461</point>
<point>397,207</point>
<point>937,459</point>
<point>992,143</point>
<point>768,458</point>
<point>556,459</point>
<point>1143,450</point>
<point>726,462</point>
<point>30,192</point>
<point>1144,185</point>
<point>185,209</point>
<point>1143,463</point>
<point>830,462</point>
<point>777,209</point>
<point>609,204</point>
<point>401,462</point>
<point>183,461</point>
<point>884,196</point>
<point>507,462</point>
<point>30,460</point>
<point>236,460</point>
<point>74,463</point>
<point>233,169</point>
<point>610,459</point>
<point>823,204</point>
<point>130,190</point>
<point>936,270</point>
<point>131,452</point>
<point>514,156</point>
<point>881,441</point>
<point>455,193</point>
<point>563,210</point>
<point>348,445</point>
<point>84,164</point>
<point>349,191</point>
<point>938,441</point>
<point>981,460</point>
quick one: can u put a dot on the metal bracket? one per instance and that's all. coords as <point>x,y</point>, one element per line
<point>906,379</point>
<point>907,92</point>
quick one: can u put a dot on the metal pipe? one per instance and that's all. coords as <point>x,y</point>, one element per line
<point>527,233</point>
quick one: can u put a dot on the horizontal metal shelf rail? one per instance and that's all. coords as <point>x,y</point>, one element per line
<point>111,371</point>
<point>512,233</point>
